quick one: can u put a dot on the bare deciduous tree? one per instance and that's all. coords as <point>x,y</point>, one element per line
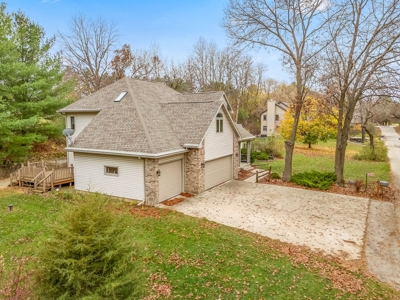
<point>292,27</point>
<point>362,61</point>
<point>87,49</point>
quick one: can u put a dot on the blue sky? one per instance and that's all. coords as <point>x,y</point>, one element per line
<point>173,25</point>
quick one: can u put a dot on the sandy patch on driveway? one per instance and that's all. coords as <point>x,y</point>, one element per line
<point>322,221</point>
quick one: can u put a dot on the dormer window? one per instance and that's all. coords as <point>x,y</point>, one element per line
<point>220,124</point>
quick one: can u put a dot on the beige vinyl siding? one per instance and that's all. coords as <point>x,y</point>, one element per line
<point>218,171</point>
<point>90,175</point>
<point>219,144</point>
<point>81,121</point>
<point>171,178</point>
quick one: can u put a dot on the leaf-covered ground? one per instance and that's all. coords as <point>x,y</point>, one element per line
<point>189,258</point>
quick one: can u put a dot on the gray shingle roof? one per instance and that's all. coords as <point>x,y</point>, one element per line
<point>243,133</point>
<point>152,118</point>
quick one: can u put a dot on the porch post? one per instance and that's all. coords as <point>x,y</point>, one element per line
<point>248,150</point>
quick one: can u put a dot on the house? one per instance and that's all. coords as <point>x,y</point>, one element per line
<point>145,141</point>
<point>271,118</point>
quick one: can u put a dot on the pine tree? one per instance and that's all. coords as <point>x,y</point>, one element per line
<point>90,254</point>
<point>31,86</point>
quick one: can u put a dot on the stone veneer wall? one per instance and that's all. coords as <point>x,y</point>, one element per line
<point>151,181</point>
<point>194,172</point>
<point>236,155</point>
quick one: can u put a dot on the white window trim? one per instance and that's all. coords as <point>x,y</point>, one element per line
<point>220,123</point>
<point>111,174</point>
<point>70,122</point>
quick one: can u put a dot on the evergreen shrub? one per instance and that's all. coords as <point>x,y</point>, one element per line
<point>314,179</point>
<point>90,254</point>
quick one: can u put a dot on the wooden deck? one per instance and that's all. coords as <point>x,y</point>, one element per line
<point>43,176</point>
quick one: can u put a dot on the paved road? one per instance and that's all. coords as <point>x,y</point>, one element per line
<point>323,221</point>
<point>382,249</point>
<point>392,141</point>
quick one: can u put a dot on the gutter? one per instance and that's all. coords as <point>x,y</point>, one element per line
<point>78,110</point>
<point>126,153</point>
<point>247,139</point>
<point>196,146</point>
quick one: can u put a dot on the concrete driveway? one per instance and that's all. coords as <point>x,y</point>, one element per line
<point>329,222</point>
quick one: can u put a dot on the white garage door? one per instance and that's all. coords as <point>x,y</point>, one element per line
<point>170,179</point>
<point>218,171</point>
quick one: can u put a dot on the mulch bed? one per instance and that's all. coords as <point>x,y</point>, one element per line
<point>174,201</point>
<point>244,174</point>
<point>177,200</point>
<point>389,194</point>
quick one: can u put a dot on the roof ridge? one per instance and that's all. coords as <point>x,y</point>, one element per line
<point>183,102</point>
<point>187,93</point>
<point>142,122</point>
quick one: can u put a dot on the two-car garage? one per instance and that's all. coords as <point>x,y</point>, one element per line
<point>217,171</point>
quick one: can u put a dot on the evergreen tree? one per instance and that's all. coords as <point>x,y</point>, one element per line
<point>31,86</point>
<point>90,254</point>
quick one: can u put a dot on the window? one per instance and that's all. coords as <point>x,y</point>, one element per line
<point>72,119</point>
<point>119,98</point>
<point>265,117</point>
<point>111,170</point>
<point>276,117</point>
<point>220,125</point>
<point>264,128</point>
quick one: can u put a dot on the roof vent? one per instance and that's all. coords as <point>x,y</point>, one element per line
<point>119,98</point>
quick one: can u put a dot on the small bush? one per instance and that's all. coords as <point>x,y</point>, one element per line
<point>378,153</point>
<point>270,145</point>
<point>17,282</point>
<point>275,176</point>
<point>314,179</point>
<point>90,254</point>
<point>358,184</point>
<point>259,156</point>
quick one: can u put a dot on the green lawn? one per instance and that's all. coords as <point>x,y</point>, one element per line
<point>23,229</point>
<point>198,259</point>
<point>354,169</point>
<point>321,158</point>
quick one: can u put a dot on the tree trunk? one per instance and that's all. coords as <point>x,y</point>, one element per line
<point>309,145</point>
<point>287,172</point>
<point>371,137</point>
<point>363,134</point>
<point>289,147</point>
<point>340,154</point>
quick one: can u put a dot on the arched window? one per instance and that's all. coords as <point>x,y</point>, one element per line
<point>220,125</point>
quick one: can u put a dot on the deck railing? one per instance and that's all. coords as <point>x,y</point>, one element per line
<point>49,164</point>
<point>64,173</point>
<point>43,175</point>
<point>30,172</point>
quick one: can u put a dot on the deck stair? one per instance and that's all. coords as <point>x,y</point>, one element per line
<point>43,176</point>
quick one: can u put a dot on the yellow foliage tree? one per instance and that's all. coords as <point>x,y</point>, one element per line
<point>315,124</point>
